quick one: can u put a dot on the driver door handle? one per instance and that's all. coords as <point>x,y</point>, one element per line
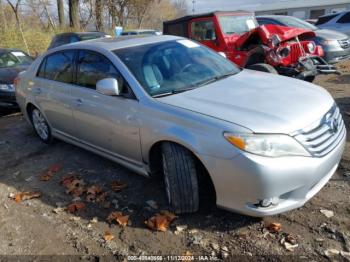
<point>79,102</point>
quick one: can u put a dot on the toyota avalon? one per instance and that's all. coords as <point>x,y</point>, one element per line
<point>261,143</point>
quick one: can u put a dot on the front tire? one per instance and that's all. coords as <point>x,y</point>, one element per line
<point>41,126</point>
<point>263,68</point>
<point>180,178</point>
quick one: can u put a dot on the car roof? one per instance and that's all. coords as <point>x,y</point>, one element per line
<point>80,33</point>
<point>140,30</point>
<point>3,50</point>
<point>272,16</point>
<point>119,42</point>
<point>189,17</point>
<point>334,14</point>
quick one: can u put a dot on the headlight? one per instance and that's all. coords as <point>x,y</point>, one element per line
<point>284,52</point>
<point>8,88</point>
<point>330,42</point>
<point>267,145</point>
<point>311,47</point>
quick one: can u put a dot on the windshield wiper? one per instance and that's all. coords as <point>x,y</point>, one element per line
<point>176,91</point>
<point>214,79</point>
<point>196,85</point>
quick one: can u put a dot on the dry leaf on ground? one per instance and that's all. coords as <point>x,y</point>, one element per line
<point>66,180</point>
<point>274,227</point>
<point>117,186</point>
<point>118,217</point>
<point>108,236</point>
<point>22,196</point>
<point>50,172</point>
<point>74,207</point>
<point>161,221</point>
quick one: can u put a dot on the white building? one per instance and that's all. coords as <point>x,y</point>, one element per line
<point>304,9</point>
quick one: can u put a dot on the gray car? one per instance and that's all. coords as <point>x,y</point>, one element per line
<point>336,45</point>
<point>338,21</point>
<point>167,105</point>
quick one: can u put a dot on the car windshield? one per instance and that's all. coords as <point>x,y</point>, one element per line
<point>14,58</point>
<point>174,66</point>
<point>295,22</point>
<point>231,24</point>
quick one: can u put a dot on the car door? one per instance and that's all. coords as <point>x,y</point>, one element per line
<point>107,123</point>
<point>52,90</point>
<point>203,31</point>
<point>343,24</point>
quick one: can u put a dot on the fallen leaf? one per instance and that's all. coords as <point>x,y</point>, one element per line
<point>50,172</point>
<point>118,217</point>
<point>108,236</point>
<point>331,252</point>
<point>22,196</point>
<point>274,227</point>
<point>171,216</point>
<point>74,207</point>
<point>94,190</point>
<point>327,213</point>
<point>69,178</point>
<point>117,186</point>
<point>102,197</point>
<point>291,239</point>
<point>161,221</point>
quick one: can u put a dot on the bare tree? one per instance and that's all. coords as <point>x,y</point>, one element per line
<point>140,9</point>
<point>118,11</point>
<point>74,21</point>
<point>60,11</point>
<point>98,15</point>
<point>15,9</point>
<point>2,17</point>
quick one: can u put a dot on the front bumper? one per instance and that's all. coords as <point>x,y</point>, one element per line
<point>308,66</point>
<point>7,99</point>
<point>333,57</point>
<point>243,181</point>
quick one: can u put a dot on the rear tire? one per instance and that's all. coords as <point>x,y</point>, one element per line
<point>263,68</point>
<point>40,125</point>
<point>180,178</point>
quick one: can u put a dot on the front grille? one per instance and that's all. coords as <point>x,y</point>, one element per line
<point>296,52</point>
<point>345,44</point>
<point>322,137</point>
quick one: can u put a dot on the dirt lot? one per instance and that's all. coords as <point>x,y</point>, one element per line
<point>40,227</point>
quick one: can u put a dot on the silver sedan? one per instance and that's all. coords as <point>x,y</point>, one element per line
<point>260,144</point>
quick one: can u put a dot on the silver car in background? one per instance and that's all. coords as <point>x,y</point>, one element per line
<point>262,144</point>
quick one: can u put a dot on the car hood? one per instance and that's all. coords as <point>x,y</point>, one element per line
<point>330,34</point>
<point>8,75</point>
<point>265,33</point>
<point>261,102</point>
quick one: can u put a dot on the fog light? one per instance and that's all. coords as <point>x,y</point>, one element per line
<point>268,202</point>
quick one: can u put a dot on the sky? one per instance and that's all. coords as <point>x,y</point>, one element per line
<point>211,5</point>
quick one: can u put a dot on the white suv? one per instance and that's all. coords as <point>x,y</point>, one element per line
<point>338,22</point>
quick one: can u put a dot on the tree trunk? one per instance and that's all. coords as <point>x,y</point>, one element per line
<point>98,14</point>
<point>60,10</point>
<point>74,21</point>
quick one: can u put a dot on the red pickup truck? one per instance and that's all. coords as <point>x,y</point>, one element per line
<point>270,48</point>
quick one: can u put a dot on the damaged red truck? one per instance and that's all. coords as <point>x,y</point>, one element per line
<point>269,48</point>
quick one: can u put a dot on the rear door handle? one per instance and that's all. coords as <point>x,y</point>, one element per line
<point>79,102</point>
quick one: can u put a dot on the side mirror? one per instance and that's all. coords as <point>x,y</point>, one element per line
<point>108,87</point>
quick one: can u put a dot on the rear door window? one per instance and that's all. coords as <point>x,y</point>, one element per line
<point>345,19</point>
<point>323,20</point>
<point>93,67</point>
<point>203,30</point>
<point>58,67</point>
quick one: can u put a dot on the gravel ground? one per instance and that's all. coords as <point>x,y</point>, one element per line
<point>40,227</point>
